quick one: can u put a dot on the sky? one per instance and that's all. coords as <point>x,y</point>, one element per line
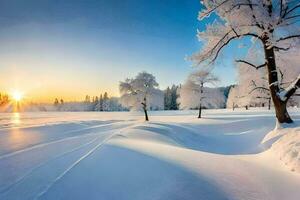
<point>70,48</point>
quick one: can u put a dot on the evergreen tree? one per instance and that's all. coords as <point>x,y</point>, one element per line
<point>87,99</point>
<point>174,96</point>
<point>141,93</point>
<point>105,102</point>
<point>170,98</point>
<point>167,99</point>
<point>96,104</point>
<point>101,103</point>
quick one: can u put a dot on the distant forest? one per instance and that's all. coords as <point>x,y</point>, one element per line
<point>103,102</point>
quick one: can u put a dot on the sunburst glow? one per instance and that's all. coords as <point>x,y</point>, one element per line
<point>17,95</point>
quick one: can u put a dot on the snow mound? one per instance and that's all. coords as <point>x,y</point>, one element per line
<point>287,147</point>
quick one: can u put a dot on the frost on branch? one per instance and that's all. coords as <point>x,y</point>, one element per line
<point>284,94</point>
<point>288,62</point>
<point>271,21</point>
<point>252,86</point>
<point>253,82</point>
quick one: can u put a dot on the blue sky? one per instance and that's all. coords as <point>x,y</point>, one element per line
<point>75,47</point>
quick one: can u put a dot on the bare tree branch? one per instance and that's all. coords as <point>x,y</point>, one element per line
<point>292,17</point>
<point>250,64</point>
<point>215,8</point>
<point>281,7</point>
<point>259,88</point>
<point>292,9</point>
<point>228,41</point>
<point>254,17</point>
<point>241,4</point>
<point>281,75</point>
<point>276,48</point>
<point>288,37</point>
<point>263,97</point>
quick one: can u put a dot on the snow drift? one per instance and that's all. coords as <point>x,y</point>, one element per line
<point>286,146</point>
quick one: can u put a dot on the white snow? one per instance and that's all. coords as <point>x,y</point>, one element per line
<point>287,145</point>
<point>174,156</point>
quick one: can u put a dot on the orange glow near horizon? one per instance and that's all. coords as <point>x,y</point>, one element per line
<point>48,95</point>
<point>44,85</point>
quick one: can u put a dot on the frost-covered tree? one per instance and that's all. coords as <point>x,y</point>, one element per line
<point>274,24</point>
<point>252,84</point>
<point>193,92</point>
<point>141,92</point>
<point>233,97</point>
<point>260,94</point>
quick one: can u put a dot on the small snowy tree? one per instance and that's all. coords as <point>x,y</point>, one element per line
<point>193,93</point>
<point>272,23</point>
<point>141,92</point>
<point>233,98</point>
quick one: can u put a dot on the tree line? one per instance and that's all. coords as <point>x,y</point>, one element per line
<point>95,103</point>
<point>142,93</point>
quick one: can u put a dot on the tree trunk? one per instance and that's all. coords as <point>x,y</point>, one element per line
<point>200,104</point>
<point>200,110</point>
<point>146,114</point>
<point>145,109</point>
<point>269,103</point>
<point>282,114</point>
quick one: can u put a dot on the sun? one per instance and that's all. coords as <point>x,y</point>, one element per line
<point>17,95</point>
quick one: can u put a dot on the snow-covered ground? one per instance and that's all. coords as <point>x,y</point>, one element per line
<point>174,156</point>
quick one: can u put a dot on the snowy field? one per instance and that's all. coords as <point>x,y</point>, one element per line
<point>116,156</point>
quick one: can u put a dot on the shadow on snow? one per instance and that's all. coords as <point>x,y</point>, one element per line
<point>229,138</point>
